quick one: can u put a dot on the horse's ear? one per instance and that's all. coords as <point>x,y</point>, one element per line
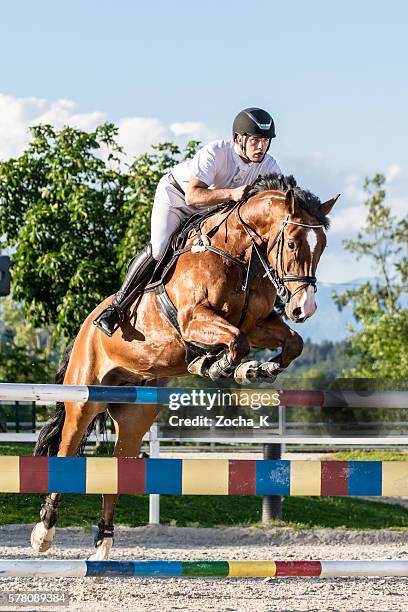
<point>290,201</point>
<point>327,206</point>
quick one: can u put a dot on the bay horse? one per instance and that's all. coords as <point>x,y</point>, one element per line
<point>217,305</point>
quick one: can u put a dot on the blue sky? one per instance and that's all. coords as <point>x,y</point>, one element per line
<point>333,75</point>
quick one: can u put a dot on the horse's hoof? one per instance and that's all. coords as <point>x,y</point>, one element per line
<point>222,367</point>
<point>246,372</point>
<point>269,370</point>
<point>199,365</point>
<point>102,550</point>
<point>42,538</point>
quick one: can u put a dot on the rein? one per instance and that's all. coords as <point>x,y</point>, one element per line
<point>277,279</point>
<point>283,278</point>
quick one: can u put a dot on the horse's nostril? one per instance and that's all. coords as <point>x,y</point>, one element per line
<point>297,312</point>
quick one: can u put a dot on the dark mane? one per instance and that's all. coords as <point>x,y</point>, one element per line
<point>306,200</point>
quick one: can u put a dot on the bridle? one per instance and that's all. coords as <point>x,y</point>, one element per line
<point>279,278</point>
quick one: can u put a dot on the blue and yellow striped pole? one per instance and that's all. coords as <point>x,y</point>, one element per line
<point>91,475</point>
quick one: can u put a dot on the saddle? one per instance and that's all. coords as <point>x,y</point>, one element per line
<point>166,264</point>
<point>177,243</point>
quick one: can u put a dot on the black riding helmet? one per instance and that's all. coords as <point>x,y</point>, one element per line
<point>253,122</point>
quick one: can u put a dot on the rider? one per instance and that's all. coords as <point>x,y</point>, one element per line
<point>219,172</point>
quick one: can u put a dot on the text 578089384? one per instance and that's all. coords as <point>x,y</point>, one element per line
<point>29,598</point>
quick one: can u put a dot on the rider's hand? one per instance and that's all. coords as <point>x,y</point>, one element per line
<point>239,193</point>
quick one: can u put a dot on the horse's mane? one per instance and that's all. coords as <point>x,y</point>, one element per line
<point>304,198</point>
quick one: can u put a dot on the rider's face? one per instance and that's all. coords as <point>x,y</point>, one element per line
<point>255,148</point>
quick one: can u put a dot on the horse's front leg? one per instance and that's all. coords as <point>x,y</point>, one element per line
<point>131,423</point>
<point>204,327</point>
<point>273,333</point>
<point>78,415</point>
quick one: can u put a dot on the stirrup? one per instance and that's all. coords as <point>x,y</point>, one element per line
<point>104,320</point>
<point>119,311</point>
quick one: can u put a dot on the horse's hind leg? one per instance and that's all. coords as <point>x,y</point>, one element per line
<point>271,333</point>
<point>78,416</point>
<point>202,325</point>
<point>131,423</point>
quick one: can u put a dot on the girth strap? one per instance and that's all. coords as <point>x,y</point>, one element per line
<point>167,306</point>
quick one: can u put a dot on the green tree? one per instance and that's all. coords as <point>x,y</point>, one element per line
<point>381,341</point>
<point>26,353</point>
<point>74,212</point>
<point>60,209</point>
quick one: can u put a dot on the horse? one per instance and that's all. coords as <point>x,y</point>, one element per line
<point>222,306</point>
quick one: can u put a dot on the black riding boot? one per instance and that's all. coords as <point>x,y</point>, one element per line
<point>137,276</point>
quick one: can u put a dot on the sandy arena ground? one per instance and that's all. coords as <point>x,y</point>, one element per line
<point>220,594</point>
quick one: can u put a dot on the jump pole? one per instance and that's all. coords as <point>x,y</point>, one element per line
<point>96,475</point>
<point>208,569</point>
<point>161,395</point>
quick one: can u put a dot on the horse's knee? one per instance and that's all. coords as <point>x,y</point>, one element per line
<point>239,348</point>
<point>291,349</point>
<point>295,345</point>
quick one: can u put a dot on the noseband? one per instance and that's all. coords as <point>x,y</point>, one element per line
<point>277,279</point>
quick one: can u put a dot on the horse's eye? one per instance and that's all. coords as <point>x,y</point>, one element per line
<point>292,246</point>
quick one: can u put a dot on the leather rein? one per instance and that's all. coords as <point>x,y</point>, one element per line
<point>278,279</point>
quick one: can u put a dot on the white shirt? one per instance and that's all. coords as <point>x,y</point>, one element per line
<point>219,166</point>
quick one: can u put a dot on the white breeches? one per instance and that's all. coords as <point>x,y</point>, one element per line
<point>168,213</point>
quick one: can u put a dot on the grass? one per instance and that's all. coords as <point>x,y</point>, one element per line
<point>20,448</point>
<point>370,455</point>
<point>210,511</point>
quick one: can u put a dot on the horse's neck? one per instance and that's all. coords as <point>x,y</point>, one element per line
<point>258,212</point>
<point>231,235</point>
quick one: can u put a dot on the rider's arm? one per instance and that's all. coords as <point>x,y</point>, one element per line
<point>198,194</point>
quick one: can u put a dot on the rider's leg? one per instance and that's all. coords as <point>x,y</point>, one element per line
<point>166,218</point>
<point>138,273</point>
<point>168,213</point>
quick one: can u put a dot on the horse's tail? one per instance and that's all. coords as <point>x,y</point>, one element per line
<point>50,435</point>
<point>49,438</point>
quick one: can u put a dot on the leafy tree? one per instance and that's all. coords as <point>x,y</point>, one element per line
<point>60,210</point>
<point>381,344</point>
<point>74,213</point>
<point>26,353</point>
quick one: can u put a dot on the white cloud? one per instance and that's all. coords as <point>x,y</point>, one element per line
<point>396,189</point>
<point>136,134</point>
<point>347,220</point>
<point>392,172</point>
<point>353,188</point>
<point>17,114</point>
<point>193,130</point>
<point>63,112</point>
<point>398,204</point>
